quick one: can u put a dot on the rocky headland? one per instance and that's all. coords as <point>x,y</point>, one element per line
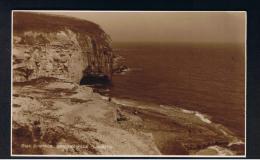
<point>55,112</point>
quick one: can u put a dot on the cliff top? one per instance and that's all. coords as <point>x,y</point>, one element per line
<point>25,21</point>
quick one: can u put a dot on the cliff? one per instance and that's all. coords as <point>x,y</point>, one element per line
<point>61,47</point>
<point>52,114</point>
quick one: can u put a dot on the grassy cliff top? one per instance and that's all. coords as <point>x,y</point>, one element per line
<point>25,21</point>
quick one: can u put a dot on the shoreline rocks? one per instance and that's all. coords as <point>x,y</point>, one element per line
<point>58,113</point>
<point>53,114</point>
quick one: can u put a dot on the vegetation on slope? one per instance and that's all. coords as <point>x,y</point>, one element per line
<point>38,22</point>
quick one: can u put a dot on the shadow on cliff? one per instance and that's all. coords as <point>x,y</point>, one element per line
<point>99,80</point>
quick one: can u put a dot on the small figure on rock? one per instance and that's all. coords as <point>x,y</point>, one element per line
<point>120,116</point>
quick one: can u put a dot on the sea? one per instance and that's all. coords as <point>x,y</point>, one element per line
<point>208,78</point>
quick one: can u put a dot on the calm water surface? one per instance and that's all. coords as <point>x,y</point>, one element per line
<point>208,78</point>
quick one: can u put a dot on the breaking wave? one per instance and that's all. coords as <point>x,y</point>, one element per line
<point>236,142</point>
<point>221,151</point>
<point>201,116</point>
<point>128,102</point>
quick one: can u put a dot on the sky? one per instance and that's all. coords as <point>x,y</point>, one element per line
<point>223,27</point>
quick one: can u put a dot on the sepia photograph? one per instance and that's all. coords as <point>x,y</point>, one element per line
<point>128,83</point>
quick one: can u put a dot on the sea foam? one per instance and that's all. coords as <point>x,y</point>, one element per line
<point>221,150</point>
<point>127,102</point>
<point>124,102</point>
<point>236,142</point>
<point>201,116</point>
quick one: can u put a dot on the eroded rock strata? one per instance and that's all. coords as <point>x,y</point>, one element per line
<point>53,114</point>
<point>61,47</point>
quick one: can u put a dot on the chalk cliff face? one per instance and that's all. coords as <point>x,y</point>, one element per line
<point>53,114</point>
<point>60,47</point>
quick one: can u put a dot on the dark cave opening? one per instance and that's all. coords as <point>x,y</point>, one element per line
<point>95,79</point>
